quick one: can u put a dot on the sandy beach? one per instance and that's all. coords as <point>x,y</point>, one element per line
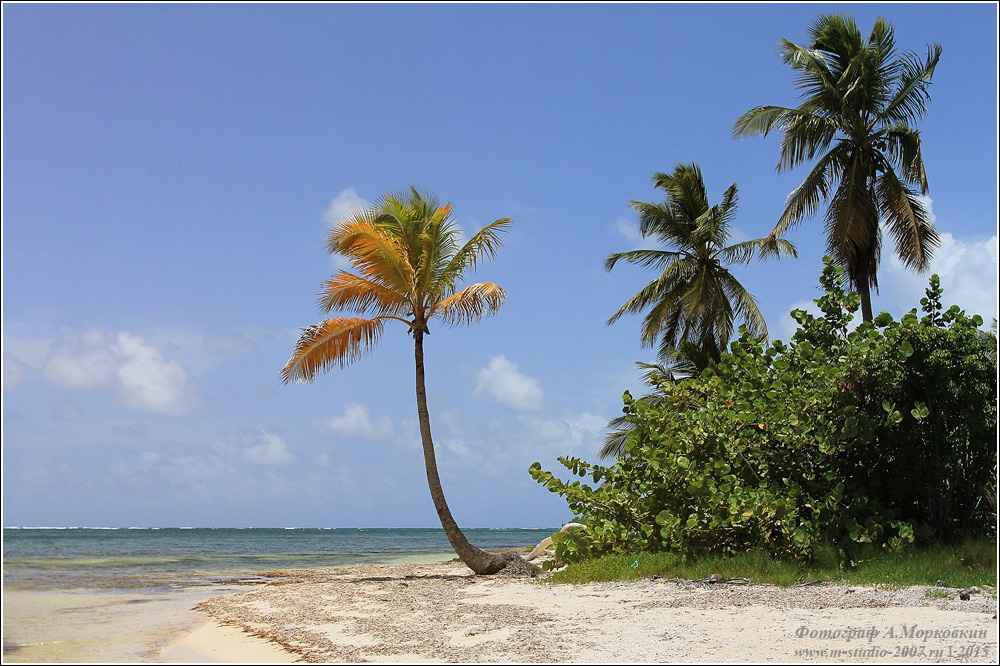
<point>444,613</point>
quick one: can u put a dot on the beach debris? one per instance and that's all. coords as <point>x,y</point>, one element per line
<point>719,578</point>
<point>544,547</point>
<point>516,566</point>
<point>541,549</point>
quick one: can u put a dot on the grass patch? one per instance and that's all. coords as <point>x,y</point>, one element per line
<point>961,566</point>
<point>937,593</point>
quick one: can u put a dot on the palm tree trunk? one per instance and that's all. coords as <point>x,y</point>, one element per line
<point>476,559</point>
<point>865,292</point>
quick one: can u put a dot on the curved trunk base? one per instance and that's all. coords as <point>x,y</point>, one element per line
<point>485,563</point>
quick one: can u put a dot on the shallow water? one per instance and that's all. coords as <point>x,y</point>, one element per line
<point>97,626</point>
<point>103,595</point>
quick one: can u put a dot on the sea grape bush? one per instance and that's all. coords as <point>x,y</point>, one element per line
<point>941,370</point>
<point>838,438</point>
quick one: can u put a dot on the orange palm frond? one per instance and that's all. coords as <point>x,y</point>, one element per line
<point>373,251</point>
<point>346,291</point>
<point>338,341</point>
<point>470,304</point>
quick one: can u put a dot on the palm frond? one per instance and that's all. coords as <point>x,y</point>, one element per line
<point>807,135</point>
<point>374,252</point>
<point>774,246</point>
<point>660,289</point>
<point>807,197</point>
<point>909,104</point>
<point>854,239</point>
<point>470,304</point>
<point>908,222</point>
<point>332,342</point>
<point>645,258</point>
<point>664,222</point>
<point>745,306</point>
<point>346,291</point>
<point>740,253</point>
<point>760,120</point>
<point>903,151</point>
<point>483,245</point>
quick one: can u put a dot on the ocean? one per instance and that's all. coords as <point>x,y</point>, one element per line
<point>121,594</point>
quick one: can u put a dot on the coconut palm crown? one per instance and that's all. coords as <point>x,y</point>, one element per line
<point>860,98</point>
<point>695,301</point>
<point>408,264</point>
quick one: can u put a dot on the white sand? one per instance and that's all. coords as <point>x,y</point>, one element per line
<point>217,643</point>
<point>443,613</point>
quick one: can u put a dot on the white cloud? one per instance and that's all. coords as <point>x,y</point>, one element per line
<point>86,362</point>
<point>148,459</point>
<point>343,204</point>
<point>149,381</point>
<point>630,230</point>
<point>258,447</point>
<point>968,272</point>
<point>269,450</point>
<point>502,381</point>
<point>146,379</point>
<point>356,421</point>
<point>563,434</point>
<point>14,371</point>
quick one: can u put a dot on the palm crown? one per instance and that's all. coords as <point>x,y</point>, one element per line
<point>409,263</point>
<point>695,301</point>
<point>860,98</point>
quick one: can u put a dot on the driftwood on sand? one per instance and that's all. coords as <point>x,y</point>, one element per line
<point>544,546</point>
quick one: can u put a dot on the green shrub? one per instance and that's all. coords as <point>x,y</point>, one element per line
<point>935,379</point>
<point>837,441</point>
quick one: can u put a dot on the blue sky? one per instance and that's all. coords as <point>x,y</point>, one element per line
<point>169,170</point>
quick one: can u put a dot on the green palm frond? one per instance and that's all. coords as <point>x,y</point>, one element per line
<point>909,104</point>
<point>689,303</point>
<point>761,120</point>
<point>645,258</point>
<point>908,222</point>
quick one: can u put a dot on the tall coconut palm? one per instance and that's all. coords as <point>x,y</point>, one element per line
<point>695,302</point>
<point>860,99</point>
<point>409,262</point>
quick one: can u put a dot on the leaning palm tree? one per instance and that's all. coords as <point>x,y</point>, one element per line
<point>695,302</point>
<point>408,260</point>
<point>860,98</point>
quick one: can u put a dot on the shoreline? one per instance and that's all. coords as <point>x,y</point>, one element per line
<point>442,612</point>
<point>214,642</point>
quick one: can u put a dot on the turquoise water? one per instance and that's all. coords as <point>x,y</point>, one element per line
<point>99,595</point>
<point>130,558</point>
